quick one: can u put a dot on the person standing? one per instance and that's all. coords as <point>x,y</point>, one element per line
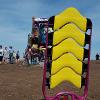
<point>14,56</point>
<point>6,55</point>
<point>17,57</point>
<point>10,55</point>
<point>97,56</point>
<point>28,54</point>
<point>1,54</point>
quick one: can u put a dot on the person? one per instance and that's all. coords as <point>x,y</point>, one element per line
<point>10,55</point>
<point>14,56</point>
<point>28,54</point>
<point>97,56</point>
<point>6,55</point>
<point>1,54</point>
<point>25,60</point>
<point>41,53</point>
<point>34,48</point>
<point>17,57</point>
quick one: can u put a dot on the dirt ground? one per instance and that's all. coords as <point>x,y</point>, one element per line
<point>19,82</point>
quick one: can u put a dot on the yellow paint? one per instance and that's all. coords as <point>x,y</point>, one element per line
<point>70,15</point>
<point>66,74</point>
<point>67,60</point>
<point>69,31</point>
<point>68,45</point>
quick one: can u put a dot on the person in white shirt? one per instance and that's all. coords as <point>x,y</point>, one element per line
<point>10,55</point>
<point>1,54</point>
<point>6,55</point>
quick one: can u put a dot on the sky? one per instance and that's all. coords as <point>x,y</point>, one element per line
<point>16,19</point>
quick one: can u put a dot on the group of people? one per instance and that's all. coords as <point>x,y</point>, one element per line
<point>34,52</point>
<point>34,55</point>
<point>8,55</point>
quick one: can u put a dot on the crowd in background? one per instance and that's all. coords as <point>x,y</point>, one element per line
<point>34,54</point>
<point>35,50</point>
<point>8,55</point>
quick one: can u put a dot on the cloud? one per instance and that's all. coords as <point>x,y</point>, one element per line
<point>16,18</point>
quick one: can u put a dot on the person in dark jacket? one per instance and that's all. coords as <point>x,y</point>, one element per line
<point>97,56</point>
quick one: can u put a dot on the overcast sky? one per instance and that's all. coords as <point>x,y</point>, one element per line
<point>16,15</point>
